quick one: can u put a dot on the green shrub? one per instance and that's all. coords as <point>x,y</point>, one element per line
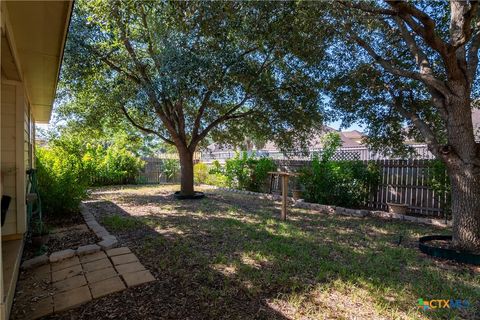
<point>62,181</point>
<point>170,168</point>
<point>248,172</point>
<point>215,168</point>
<point>200,173</point>
<point>217,179</point>
<point>438,180</point>
<point>216,175</point>
<point>112,165</point>
<point>340,183</point>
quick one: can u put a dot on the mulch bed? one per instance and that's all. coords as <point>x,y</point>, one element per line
<point>67,232</point>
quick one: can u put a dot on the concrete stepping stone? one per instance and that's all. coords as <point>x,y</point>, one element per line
<point>88,249</point>
<point>42,273</point>
<point>70,262</point>
<point>118,251</point>
<point>108,243</point>
<point>40,308</point>
<point>123,259</point>
<point>99,275</point>
<point>97,265</point>
<point>70,283</point>
<point>129,267</point>
<point>35,262</point>
<point>108,286</point>
<point>136,278</point>
<point>61,255</point>
<point>66,273</point>
<point>93,257</point>
<point>71,298</point>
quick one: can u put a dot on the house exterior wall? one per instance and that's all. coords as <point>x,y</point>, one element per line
<point>8,155</point>
<point>16,155</point>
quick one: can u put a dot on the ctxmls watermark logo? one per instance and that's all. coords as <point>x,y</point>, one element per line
<point>443,304</point>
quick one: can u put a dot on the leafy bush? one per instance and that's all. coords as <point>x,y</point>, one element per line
<point>438,180</point>
<point>215,168</point>
<point>200,173</point>
<point>170,168</point>
<point>217,179</point>
<point>62,181</point>
<point>112,165</point>
<point>216,175</point>
<point>248,172</point>
<point>340,183</point>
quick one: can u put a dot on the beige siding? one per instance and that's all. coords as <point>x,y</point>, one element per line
<point>22,106</point>
<point>8,154</point>
<point>16,154</point>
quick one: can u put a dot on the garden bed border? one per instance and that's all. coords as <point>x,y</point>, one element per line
<point>108,241</point>
<point>340,210</point>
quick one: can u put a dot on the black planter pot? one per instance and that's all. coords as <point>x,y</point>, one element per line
<point>451,254</point>
<point>197,195</point>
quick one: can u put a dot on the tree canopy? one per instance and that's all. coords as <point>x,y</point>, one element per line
<point>184,71</point>
<point>390,64</point>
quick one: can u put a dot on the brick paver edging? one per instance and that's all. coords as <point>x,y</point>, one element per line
<point>108,242</point>
<point>339,210</point>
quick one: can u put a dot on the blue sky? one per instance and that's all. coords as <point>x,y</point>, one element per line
<point>336,125</point>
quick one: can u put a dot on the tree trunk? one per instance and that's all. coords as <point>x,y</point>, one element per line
<point>466,208</point>
<point>463,165</point>
<point>186,171</point>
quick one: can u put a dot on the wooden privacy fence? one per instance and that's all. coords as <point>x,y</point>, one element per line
<point>154,172</point>
<point>407,181</point>
<point>400,181</point>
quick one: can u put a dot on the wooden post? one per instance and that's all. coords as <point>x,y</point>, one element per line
<point>284,176</point>
<point>284,197</point>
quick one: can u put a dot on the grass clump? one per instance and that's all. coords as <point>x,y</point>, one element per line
<point>120,223</point>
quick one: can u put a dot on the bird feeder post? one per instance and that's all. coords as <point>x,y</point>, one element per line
<point>283,215</point>
<point>284,176</point>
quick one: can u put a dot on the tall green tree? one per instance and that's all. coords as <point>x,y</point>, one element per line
<point>397,65</point>
<point>183,71</point>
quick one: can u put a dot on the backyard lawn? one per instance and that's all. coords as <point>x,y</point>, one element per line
<point>228,256</point>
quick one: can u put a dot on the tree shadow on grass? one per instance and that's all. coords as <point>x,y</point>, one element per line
<point>223,258</point>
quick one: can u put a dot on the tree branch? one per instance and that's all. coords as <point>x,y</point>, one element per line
<point>147,130</point>
<point>148,38</point>
<point>420,57</point>
<point>368,8</point>
<point>472,59</point>
<point>201,110</point>
<point>219,120</point>
<point>466,23</point>
<point>429,80</point>
<point>147,83</point>
<point>427,133</point>
<point>112,65</point>
<point>225,116</point>
<point>427,30</point>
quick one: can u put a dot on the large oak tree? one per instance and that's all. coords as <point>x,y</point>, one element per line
<point>183,71</point>
<point>397,64</point>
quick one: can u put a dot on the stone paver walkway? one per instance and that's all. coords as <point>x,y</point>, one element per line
<point>62,285</point>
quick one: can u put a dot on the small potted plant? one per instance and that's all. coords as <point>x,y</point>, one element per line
<point>40,234</point>
<point>398,208</point>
